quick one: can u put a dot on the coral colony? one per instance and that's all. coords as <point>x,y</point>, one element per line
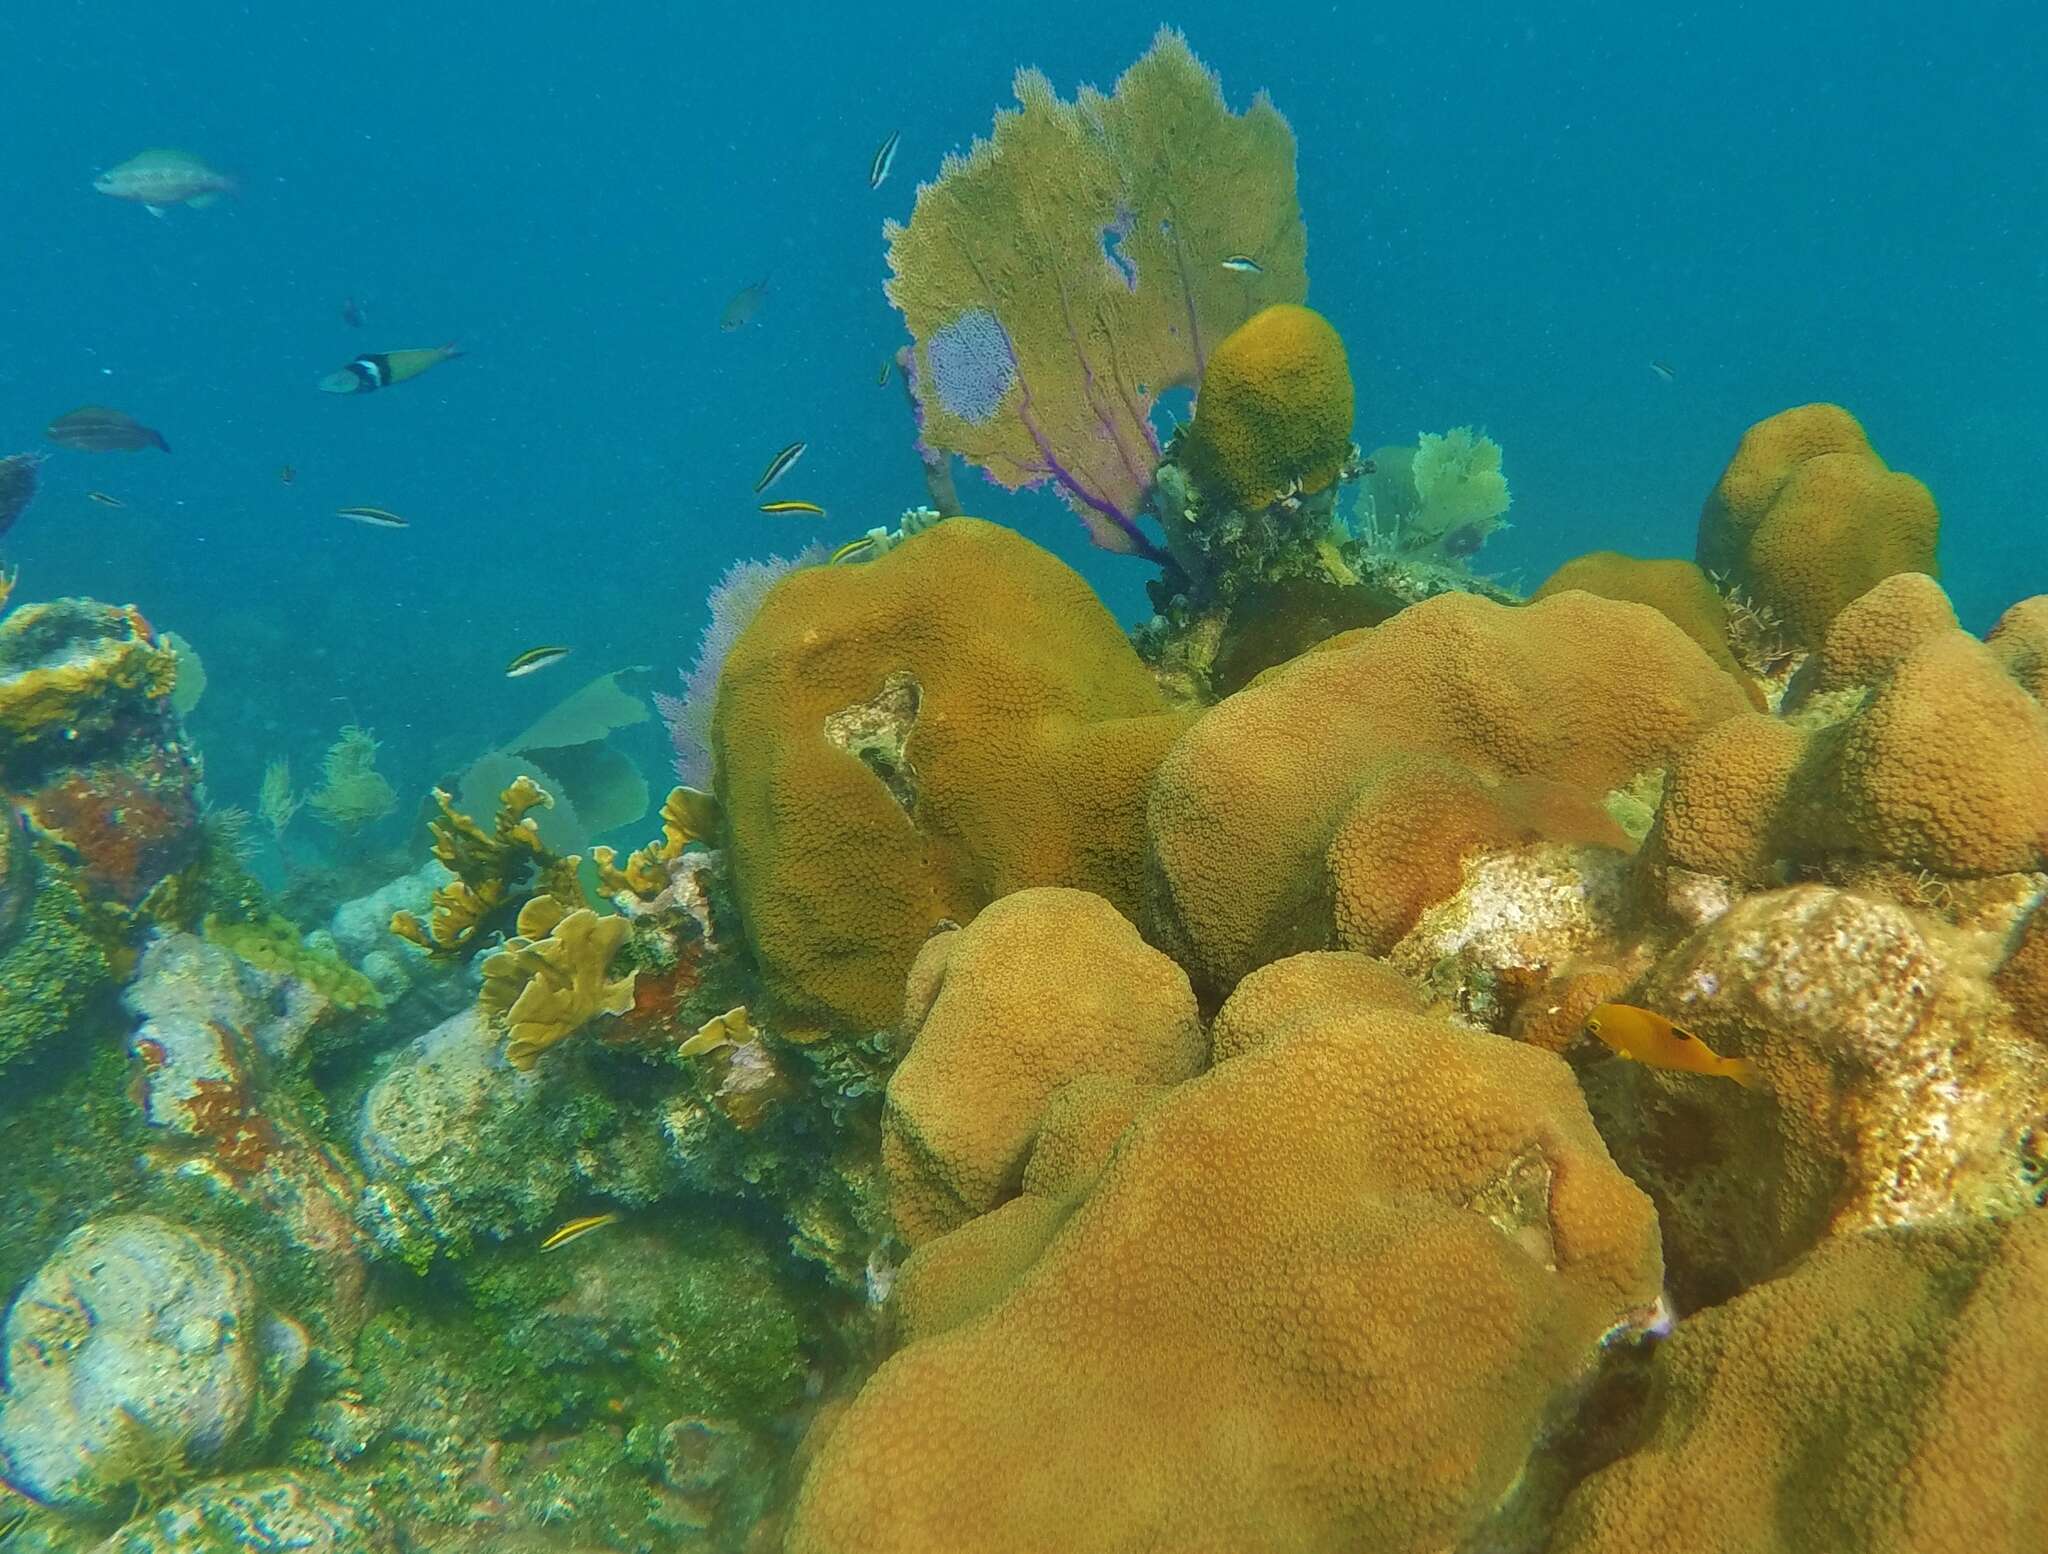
<point>1368,1060</point>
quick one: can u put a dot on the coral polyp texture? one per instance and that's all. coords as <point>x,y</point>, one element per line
<point>1133,200</point>
<point>1274,415</point>
<point>899,743</point>
<point>1306,811</point>
<point>1328,1295</point>
<point>1883,1395</point>
<point>1806,517</point>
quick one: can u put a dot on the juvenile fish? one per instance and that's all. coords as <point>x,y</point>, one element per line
<point>104,500</point>
<point>1666,373</point>
<point>375,517</point>
<point>779,466</point>
<point>1644,1036</point>
<point>726,1030</point>
<point>885,158</point>
<point>850,549</point>
<point>745,303</point>
<point>385,369</point>
<point>534,659</point>
<point>1244,264</point>
<point>576,1229</point>
<point>160,178</point>
<point>96,429</point>
<point>793,509</point>
<point>287,474</point>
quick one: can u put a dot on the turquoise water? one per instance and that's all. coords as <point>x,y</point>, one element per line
<point>1511,215</point>
<point>603,1283</point>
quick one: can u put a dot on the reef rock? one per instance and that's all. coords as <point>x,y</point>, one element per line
<point>361,933</point>
<point>138,1353</point>
<point>251,1511</point>
<point>461,1148</point>
<point>1894,1086</point>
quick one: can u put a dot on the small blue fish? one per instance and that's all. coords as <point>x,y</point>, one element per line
<point>885,158</point>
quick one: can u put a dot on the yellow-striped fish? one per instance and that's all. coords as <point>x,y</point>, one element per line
<point>535,658</point>
<point>779,466</point>
<point>375,517</point>
<point>1645,1036</point>
<point>104,500</point>
<point>793,509</point>
<point>727,1030</point>
<point>576,1229</point>
<point>849,550</point>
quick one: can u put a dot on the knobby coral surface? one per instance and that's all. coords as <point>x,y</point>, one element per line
<point>1274,416</point>
<point>899,743</point>
<point>1325,1296</point>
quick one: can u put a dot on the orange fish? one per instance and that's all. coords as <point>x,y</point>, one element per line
<point>1644,1036</point>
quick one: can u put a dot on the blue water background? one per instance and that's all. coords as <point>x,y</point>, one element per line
<point>1512,211</point>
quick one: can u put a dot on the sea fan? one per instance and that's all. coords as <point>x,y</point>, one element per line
<point>733,602</point>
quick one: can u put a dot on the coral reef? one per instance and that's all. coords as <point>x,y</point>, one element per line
<point>135,1328</point>
<point>901,742</point>
<point>1134,200</point>
<point>1043,987</point>
<point>1678,589</point>
<point>493,870</point>
<point>352,792</point>
<point>253,1511</point>
<point>1807,517</point>
<point>1882,1395</point>
<point>733,601</point>
<point>552,977</point>
<point>1327,805</point>
<point>1332,1292</point>
<point>1274,416</point>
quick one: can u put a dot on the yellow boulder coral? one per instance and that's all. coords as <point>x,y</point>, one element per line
<point>1324,1296</point>
<point>1302,813</point>
<point>552,978</point>
<point>1043,987</point>
<point>1807,517</point>
<point>900,743</point>
<point>1678,589</point>
<point>1884,1396</point>
<point>1274,412</point>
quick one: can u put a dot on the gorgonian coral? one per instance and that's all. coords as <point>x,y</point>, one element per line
<point>733,602</point>
<point>1070,269</point>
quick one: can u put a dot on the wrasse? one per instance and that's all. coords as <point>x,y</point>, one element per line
<point>885,158</point>
<point>1244,264</point>
<point>882,377</point>
<point>287,474</point>
<point>1644,1036</point>
<point>535,659</point>
<point>96,429</point>
<point>375,517</point>
<point>727,1030</point>
<point>383,369</point>
<point>576,1229</point>
<point>850,549</point>
<point>1665,371</point>
<point>104,500</point>
<point>160,178</point>
<point>793,509</point>
<point>779,466</point>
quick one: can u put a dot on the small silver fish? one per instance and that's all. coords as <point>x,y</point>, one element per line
<point>1244,264</point>
<point>1666,373</point>
<point>375,517</point>
<point>885,158</point>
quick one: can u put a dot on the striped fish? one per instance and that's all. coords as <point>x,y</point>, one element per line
<point>793,509</point>
<point>535,659</point>
<point>576,1229</point>
<point>375,517</point>
<point>885,158</point>
<point>779,466</point>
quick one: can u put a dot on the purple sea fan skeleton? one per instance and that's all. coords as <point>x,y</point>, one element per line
<point>734,601</point>
<point>1067,271</point>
